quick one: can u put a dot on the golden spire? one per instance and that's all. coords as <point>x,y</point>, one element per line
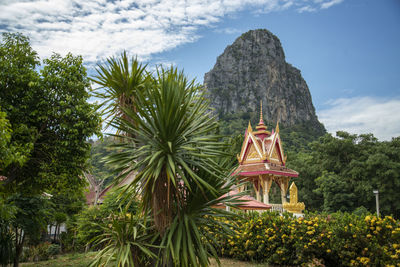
<point>249,129</point>
<point>277,127</point>
<point>261,127</point>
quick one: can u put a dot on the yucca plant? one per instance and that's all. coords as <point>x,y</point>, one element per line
<point>172,145</point>
<point>119,79</point>
<point>127,240</point>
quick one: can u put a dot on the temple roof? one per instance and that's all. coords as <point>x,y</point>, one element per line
<point>248,203</point>
<point>264,168</point>
<point>262,152</point>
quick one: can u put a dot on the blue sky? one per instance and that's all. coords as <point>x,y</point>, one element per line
<point>347,50</point>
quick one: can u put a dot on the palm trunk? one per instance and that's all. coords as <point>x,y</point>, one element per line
<point>161,205</point>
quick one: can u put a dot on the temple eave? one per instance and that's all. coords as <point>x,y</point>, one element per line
<point>257,173</point>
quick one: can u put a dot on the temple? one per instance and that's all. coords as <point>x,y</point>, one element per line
<point>262,161</point>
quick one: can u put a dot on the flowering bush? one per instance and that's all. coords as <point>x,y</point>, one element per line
<point>340,239</point>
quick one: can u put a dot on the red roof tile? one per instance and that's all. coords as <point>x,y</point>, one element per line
<point>249,203</point>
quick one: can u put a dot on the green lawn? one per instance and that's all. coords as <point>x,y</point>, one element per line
<point>73,260</point>
<point>83,259</point>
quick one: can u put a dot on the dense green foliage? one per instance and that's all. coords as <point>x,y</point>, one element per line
<point>339,173</point>
<point>128,240</point>
<point>49,117</point>
<point>48,122</point>
<point>89,223</point>
<point>7,215</point>
<point>339,239</point>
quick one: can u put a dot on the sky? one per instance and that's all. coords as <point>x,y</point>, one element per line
<point>348,51</point>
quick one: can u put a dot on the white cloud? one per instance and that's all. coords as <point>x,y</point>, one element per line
<point>363,115</point>
<point>330,3</point>
<point>306,9</point>
<point>99,28</point>
<point>228,31</point>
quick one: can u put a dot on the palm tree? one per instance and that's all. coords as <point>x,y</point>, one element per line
<point>119,80</point>
<point>172,146</point>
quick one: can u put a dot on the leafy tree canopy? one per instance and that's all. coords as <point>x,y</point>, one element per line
<point>44,124</point>
<point>339,173</point>
<point>49,117</point>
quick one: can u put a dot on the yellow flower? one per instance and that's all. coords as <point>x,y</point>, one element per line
<point>369,236</point>
<point>364,260</point>
<point>328,251</point>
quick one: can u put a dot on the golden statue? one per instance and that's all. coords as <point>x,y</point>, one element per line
<point>294,206</point>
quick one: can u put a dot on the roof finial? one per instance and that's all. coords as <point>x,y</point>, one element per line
<point>261,116</point>
<point>277,127</point>
<point>249,129</point>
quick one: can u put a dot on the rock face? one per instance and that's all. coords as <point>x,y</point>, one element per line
<point>253,68</point>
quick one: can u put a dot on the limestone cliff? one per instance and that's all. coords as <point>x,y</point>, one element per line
<point>253,68</point>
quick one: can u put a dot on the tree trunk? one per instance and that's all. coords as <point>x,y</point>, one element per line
<point>19,244</point>
<point>55,232</point>
<point>49,234</point>
<point>161,205</point>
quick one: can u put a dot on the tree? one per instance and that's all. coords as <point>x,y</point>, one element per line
<point>49,116</point>
<point>5,136</point>
<point>119,80</point>
<point>7,215</point>
<point>339,173</point>
<point>30,220</point>
<point>172,145</point>
<point>50,120</point>
<point>336,192</point>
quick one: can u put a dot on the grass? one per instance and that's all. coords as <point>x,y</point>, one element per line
<point>83,259</point>
<point>72,260</point>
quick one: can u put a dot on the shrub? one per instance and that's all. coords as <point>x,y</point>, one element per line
<point>90,223</point>
<point>54,249</point>
<point>340,239</point>
<point>38,253</point>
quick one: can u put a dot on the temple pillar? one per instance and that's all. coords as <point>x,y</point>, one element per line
<point>256,184</point>
<point>267,187</point>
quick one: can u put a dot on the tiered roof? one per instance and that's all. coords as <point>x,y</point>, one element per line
<point>262,152</point>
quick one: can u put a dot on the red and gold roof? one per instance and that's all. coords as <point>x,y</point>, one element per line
<point>262,153</point>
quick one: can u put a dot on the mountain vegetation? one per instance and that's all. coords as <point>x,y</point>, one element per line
<point>339,173</point>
